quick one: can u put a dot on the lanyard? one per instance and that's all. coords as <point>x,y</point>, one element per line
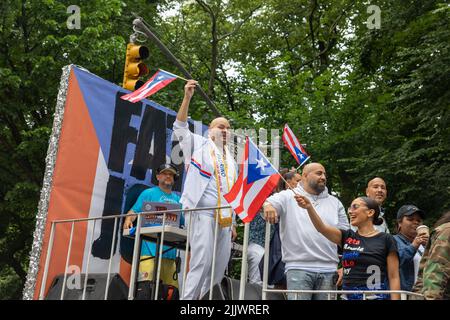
<point>221,169</point>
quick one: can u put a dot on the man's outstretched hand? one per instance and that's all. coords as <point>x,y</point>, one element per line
<point>302,201</point>
<point>189,88</point>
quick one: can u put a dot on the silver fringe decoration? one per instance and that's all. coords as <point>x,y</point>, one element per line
<point>50,160</point>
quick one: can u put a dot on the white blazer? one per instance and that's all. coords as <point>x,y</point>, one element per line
<point>200,166</point>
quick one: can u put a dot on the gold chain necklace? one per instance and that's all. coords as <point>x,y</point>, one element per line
<point>368,234</point>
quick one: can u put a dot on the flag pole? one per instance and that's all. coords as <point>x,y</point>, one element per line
<point>309,157</point>
<point>244,265</point>
<point>175,75</point>
<point>287,184</point>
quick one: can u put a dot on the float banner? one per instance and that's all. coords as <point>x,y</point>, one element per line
<point>106,148</point>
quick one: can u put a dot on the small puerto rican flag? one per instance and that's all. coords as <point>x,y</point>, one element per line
<point>294,146</point>
<point>159,80</point>
<point>257,178</point>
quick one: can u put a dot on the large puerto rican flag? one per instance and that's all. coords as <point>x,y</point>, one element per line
<point>256,180</point>
<point>159,80</point>
<point>294,146</point>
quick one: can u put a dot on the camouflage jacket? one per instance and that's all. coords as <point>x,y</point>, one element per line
<point>434,271</point>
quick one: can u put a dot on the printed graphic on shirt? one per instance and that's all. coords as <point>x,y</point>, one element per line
<point>364,262</point>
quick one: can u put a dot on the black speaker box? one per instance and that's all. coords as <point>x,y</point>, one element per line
<point>95,287</point>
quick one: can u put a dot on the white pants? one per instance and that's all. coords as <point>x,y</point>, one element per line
<point>254,255</point>
<point>201,240</point>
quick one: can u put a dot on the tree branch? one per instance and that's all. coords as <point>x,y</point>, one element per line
<point>239,25</point>
<point>310,19</point>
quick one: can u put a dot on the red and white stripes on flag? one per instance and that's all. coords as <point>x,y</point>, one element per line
<point>294,146</point>
<point>159,80</point>
<point>257,178</point>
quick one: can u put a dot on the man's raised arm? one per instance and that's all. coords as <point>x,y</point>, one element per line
<point>189,89</point>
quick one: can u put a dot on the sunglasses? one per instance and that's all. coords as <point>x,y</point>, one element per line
<point>356,206</point>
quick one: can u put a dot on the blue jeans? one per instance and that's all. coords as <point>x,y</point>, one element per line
<point>306,280</point>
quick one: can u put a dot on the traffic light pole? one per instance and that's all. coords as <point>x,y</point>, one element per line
<point>144,29</point>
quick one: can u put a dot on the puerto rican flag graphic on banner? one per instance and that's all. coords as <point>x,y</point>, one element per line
<point>294,146</point>
<point>257,178</point>
<point>159,80</point>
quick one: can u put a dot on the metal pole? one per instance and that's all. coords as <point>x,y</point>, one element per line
<point>144,29</point>
<point>111,257</point>
<point>47,261</point>
<point>186,254</point>
<point>87,262</point>
<point>143,212</point>
<point>161,249</point>
<point>67,261</point>
<point>275,152</point>
<point>266,261</point>
<point>214,257</point>
<point>137,243</point>
<point>244,264</point>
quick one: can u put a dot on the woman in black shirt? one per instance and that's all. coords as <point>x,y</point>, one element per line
<point>369,257</point>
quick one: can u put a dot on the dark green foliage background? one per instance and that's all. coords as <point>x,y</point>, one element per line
<point>366,102</point>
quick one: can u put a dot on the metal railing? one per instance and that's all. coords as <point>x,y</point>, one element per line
<point>366,294</point>
<point>331,294</point>
<point>136,250</point>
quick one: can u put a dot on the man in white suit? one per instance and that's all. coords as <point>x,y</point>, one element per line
<point>211,173</point>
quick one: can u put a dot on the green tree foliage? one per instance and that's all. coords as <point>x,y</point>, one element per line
<point>366,102</point>
<point>36,44</point>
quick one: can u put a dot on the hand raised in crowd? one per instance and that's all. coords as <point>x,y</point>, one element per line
<point>420,240</point>
<point>302,201</point>
<point>189,88</point>
<point>270,214</point>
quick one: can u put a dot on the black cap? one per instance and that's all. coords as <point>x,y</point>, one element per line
<point>167,167</point>
<point>408,210</point>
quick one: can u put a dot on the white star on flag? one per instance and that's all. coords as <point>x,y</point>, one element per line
<point>261,164</point>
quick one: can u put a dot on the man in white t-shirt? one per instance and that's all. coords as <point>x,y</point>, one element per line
<point>310,259</point>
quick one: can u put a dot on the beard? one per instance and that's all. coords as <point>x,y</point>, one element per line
<point>167,185</point>
<point>319,188</point>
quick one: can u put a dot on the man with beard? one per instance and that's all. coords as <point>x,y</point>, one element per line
<point>310,259</point>
<point>166,175</point>
<point>211,173</point>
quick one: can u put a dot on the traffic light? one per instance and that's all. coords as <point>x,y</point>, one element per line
<point>134,67</point>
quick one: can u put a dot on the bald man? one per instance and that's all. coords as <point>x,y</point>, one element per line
<point>310,259</point>
<point>376,190</point>
<point>211,173</point>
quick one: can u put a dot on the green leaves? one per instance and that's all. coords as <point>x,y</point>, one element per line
<point>365,102</point>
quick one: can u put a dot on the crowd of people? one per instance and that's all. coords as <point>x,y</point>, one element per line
<point>316,244</point>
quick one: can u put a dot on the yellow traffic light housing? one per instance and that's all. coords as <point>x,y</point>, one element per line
<point>134,67</point>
